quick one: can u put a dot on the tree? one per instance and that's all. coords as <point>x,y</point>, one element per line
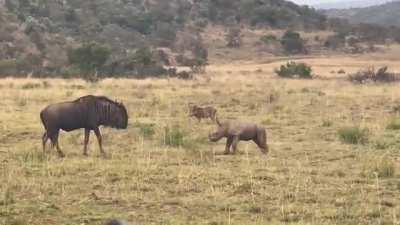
<point>89,58</point>
<point>293,43</point>
<point>233,37</point>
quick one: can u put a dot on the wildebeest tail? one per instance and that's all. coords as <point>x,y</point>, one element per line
<point>43,119</point>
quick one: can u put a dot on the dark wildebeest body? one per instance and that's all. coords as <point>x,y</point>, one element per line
<point>202,113</point>
<point>235,132</point>
<point>116,222</point>
<point>88,112</point>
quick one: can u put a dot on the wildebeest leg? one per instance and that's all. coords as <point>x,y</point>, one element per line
<point>234,144</point>
<point>228,145</point>
<point>261,141</point>
<point>99,139</point>
<point>44,141</point>
<point>87,135</point>
<point>54,141</point>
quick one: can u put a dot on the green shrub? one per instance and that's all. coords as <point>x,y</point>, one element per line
<point>293,69</point>
<point>89,58</point>
<point>394,124</point>
<point>267,39</point>
<point>143,23</point>
<point>353,135</point>
<point>143,57</point>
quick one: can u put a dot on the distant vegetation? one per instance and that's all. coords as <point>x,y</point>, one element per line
<point>144,36</point>
<point>293,70</point>
<point>51,28</point>
<point>387,14</point>
<point>89,58</point>
<point>371,75</point>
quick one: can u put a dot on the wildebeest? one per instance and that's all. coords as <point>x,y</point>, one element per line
<point>88,112</point>
<point>116,222</point>
<point>236,131</point>
<point>202,113</point>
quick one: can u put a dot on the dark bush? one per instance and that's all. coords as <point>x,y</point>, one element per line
<point>335,42</point>
<point>184,75</point>
<point>370,75</point>
<point>293,43</point>
<point>89,58</point>
<point>234,37</point>
<point>293,69</point>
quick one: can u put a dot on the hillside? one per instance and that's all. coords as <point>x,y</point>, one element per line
<point>386,14</point>
<point>346,4</point>
<point>43,31</point>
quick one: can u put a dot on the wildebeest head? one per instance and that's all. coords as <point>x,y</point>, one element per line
<point>219,133</point>
<point>120,118</point>
<point>112,113</point>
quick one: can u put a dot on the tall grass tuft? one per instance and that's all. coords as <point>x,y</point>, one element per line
<point>386,168</point>
<point>174,136</point>
<point>394,124</point>
<point>146,130</point>
<point>353,135</point>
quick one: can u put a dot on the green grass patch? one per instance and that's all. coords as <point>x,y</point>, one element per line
<point>394,124</point>
<point>147,130</point>
<point>353,135</point>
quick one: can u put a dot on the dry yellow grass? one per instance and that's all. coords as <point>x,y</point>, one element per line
<point>309,177</point>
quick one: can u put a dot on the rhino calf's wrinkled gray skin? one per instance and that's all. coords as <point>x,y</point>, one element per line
<point>235,132</point>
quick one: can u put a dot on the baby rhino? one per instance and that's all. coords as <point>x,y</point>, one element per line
<point>235,132</point>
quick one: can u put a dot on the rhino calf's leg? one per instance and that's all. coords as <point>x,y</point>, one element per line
<point>235,143</point>
<point>261,141</point>
<point>87,135</point>
<point>228,145</point>
<point>99,139</point>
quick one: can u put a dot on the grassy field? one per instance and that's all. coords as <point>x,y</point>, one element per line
<point>309,177</point>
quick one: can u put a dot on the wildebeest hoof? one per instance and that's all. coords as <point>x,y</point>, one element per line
<point>227,153</point>
<point>116,222</point>
<point>61,155</point>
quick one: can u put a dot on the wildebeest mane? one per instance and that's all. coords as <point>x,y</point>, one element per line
<point>104,108</point>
